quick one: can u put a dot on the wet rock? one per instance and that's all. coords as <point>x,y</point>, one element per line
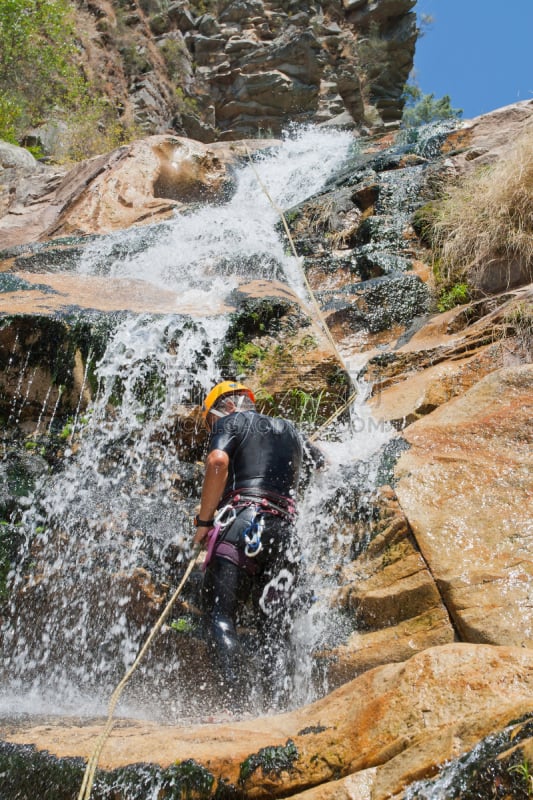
<point>43,365</point>
<point>19,471</point>
<point>389,727</point>
<point>497,765</point>
<point>377,304</point>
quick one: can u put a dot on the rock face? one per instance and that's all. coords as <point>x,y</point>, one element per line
<point>465,486</point>
<point>369,739</point>
<point>139,183</point>
<point>236,68</point>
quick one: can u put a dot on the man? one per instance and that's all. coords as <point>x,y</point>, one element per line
<point>246,521</point>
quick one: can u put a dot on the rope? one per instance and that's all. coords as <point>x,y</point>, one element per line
<point>92,763</point>
<point>311,294</point>
<point>333,416</point>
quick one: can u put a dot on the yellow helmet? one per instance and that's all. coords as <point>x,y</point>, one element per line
<point>226,387</point>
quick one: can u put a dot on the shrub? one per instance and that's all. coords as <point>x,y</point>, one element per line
<point>488,217</point>
<point>421,108</point>
<point>10,113</point>
<point>93,128</point>
<point>457,295</point>
<point>39,77</point>
<point>38,62</point>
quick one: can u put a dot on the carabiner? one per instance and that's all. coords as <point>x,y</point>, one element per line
<point>253,543</point>
<point>222,522</point>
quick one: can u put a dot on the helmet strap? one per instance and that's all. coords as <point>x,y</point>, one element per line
<point>217,413</point>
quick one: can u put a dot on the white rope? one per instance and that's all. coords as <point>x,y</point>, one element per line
<point>311,294</point>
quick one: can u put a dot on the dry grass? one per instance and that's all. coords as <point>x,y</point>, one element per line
<point>488,217</point>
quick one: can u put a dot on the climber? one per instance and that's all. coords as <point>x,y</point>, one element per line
<point>246,522</point>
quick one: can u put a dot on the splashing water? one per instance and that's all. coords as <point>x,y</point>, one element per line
<point>203,253</point>
<point>116,517</point>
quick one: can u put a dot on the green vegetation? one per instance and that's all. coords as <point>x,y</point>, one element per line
<point>255,318</point>
<point>456,295</point>
<point>28,773</point>
<point>482,220</point>
<point>421,108</point>
<point>524,771</point>
<point>174,52</point>
<point>92,128</point>
<point>304,408</point>
<point>37,68</point>
<point>182,625</point>
<point>423,221</point>
<point>246,354</point>
<point>270,759</point>
<point>39,72</point>
<point>66,431</point>
<point>184,103</point>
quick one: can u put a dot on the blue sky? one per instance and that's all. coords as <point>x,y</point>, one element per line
<point>477,51</point>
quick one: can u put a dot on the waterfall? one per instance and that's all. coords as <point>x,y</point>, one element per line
<point>122,504</point>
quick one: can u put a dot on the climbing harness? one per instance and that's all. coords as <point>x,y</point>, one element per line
<point>244,543</point>
<point>270,503</point>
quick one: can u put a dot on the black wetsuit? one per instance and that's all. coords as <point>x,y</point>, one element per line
<point>265,461</point>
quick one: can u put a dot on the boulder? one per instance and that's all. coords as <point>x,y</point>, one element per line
<point>13,156</point>
<point>136,184</point>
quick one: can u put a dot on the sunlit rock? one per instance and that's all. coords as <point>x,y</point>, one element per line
<point>465,487</point>
<point>445,354</point>
<point>391,726</point>
<point>13,156</point>
<point>390,597</point>
<point>136,184</point>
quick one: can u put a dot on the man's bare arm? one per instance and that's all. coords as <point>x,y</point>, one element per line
<point>216,475</point>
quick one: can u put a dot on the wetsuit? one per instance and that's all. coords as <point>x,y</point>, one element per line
<point>265,460</point>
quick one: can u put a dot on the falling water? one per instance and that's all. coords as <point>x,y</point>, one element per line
<point>122,504</point>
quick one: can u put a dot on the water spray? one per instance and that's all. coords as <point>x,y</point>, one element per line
<point>92,763</point>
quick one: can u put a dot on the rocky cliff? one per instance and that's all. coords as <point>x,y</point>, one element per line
<point>226,70</point>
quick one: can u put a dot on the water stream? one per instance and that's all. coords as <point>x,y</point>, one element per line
<point>122,504</point>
